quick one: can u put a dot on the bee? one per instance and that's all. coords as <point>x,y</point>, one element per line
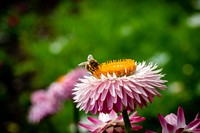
<point>91,64</point>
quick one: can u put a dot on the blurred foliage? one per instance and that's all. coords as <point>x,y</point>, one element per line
<point>40,40</point>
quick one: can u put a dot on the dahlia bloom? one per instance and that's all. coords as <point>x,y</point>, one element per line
<point>176,124</point>
<point>111,123</point>
<point>117,85</point>
<point>48,102</point>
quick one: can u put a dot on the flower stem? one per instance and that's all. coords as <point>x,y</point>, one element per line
<point>126,121</point>
<point>76,118</point>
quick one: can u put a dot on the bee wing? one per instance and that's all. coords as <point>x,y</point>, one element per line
<point>83,63</point>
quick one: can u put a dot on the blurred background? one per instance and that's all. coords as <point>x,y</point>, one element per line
<point>43,39</point>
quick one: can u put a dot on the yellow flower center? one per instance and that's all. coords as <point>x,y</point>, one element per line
<point>119,67</point>
<point>60,79</point>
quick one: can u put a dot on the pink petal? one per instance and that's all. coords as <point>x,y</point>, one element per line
<point>142,91</point>
<point>112,90</point>
<point>196,131</point>
<point>127,88</point>
<point>124,100</point>
<point>137,97</point>
<point>38,96</point>
<point>120,117</point>
<point>89,127</point>
<point>97,130</point>
<point>136,127</point>
<point>119,129</point>
<point>171,119</point>
<point>148,131</point>
<point>103,128</point>
<point>114,100</point>
<point>112,115</point>
<point>107,85</point>
<point>119,105</point>
<point>137,119</point>
<point>95,121</point>
<point>162,122</point>
<point>110,130</point>
<point>100,103</point>
<point>194,124</point>
<point>131,104</point>
<point>129,93</point>
<point>145,98</point>
<point>197,116</point>
<point>119,92</point>
<point>180,130</point>
<point>134,114</point>
<point>101,87</point>
<point>109,101</point>
<point>136,89</point>
<point>170,128</point>
<point>104,94</point>
<point>150,90</point>
<point>180,118</point>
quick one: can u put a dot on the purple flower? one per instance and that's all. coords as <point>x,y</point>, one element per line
<point>117,85</point>
<point>176,124</point>
<point>48,102</point>
<point>111,123</point>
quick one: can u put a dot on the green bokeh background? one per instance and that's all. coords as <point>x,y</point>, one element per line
<point>41,40</point>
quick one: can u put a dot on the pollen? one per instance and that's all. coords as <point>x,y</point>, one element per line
<point>118,67</point>
<point>60,79</point>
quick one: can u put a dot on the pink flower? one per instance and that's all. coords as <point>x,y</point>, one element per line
<point>125,86</point>
<point>176,124</point>
<point>42,106</point>
<point>62,88</point>
<point>38,96</point>
<point>111,123</point>
<point>48,102</point>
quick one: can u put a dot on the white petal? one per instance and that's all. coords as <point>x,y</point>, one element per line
<point>112,90</point>
<point>104,94</point>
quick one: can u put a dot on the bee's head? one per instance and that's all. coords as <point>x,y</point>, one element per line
<point>91,65</point>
